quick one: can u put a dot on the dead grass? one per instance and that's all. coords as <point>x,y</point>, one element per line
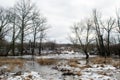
<point>79,73</point>
<point>11,62</point>
<point>101,60</point>
<point>102,73</point>
<point>73,63</point>
<point>85,66</point>
<point>73,60</point>
<point>47,61</point>
<point>116,64</point>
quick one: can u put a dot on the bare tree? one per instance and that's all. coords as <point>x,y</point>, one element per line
<point>118,30</point>
<point>24,12</point>
<point>82,32</point>
<point>15,29</point>
<point>99,34</point>
<point>38,27</point>
<point>108,28</point>
<point>42,35</point>
<point>4,21</point>
<point>4,29</point>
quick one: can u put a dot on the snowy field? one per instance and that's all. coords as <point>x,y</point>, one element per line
<point>68,67</point>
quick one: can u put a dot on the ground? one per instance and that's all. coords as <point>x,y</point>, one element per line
<point>70,66</point>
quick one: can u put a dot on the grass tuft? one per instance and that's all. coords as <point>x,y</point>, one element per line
<point>47,61</point>
<point>73,63</point>
<point>12,62</point>
<point>101,60</point>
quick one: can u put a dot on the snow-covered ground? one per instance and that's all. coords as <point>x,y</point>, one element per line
<point>39,72</point>
<point>62,70</point>
<point>27,76</point>
<point>64,55</point>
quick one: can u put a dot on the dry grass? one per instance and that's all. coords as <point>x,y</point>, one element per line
<point>79,73</point>
<point>85,66</point>
<point>11,62</point>
<point>102,73</point>
<point>116,64</point>
<point>47,61</point>
<point>73,63</point>
<point>73,60</point>
<point>101,60</point>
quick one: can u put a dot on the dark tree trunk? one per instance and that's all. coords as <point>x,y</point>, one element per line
<point>102,47</point>
<point>13,40</point>
<point>87,57</point>
<point>40,47</point>
<point>108,45</point>
<point>22,38</point>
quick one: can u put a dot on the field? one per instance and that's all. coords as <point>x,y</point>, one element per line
<point>59,67</point>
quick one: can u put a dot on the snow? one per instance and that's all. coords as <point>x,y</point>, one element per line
<point>95,72</point>
<point>48,72</point>
<point>27,76</point>
<point>65,55</point>
<point>98,73</point>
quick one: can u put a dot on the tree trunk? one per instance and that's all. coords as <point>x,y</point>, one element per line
<point>108,45</point>
<point>40,46</point>
<point>22,37</point>
<point>13,40</point>
<point>87,57</point>
<point>102,47</point>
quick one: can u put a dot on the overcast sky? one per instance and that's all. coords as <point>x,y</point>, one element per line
<point>61,14</point>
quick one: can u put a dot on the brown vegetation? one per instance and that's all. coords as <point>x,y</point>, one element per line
<point>47,61</point>
<point>116,64</point>
<point>101,60</point>
<point>86,66</point>
<point>73,63</point>
<point>11,62</point>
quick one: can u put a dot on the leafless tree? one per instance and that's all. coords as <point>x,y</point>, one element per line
<point>82,32</point>
<point>38,27</point>
<point>15,29</point>
<point>42,36</point>
<point>97,27</point>
<point>4,21</point>
<point>108,26</point>
<point>24,12</point>
<point>118,29</point>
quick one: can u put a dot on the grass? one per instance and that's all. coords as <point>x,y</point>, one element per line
<point>47,61</point>
<point>85,66</point>
<point>101,60</point>
<point>11,62</point>
<point>73,63</point>
<point>116,64</point>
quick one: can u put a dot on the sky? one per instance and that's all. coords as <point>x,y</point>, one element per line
<point>62,14</point>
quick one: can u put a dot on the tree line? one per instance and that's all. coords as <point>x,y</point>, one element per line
<point>103,33</point>
<point>21,21</point>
